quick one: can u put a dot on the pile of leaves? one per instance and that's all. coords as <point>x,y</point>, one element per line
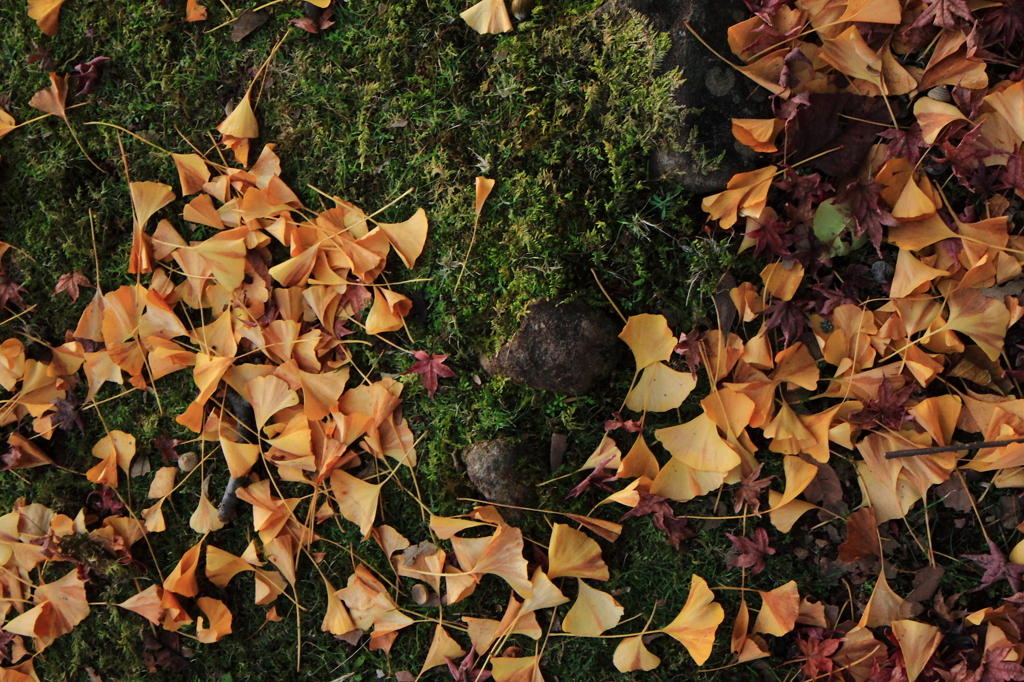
<point>879,335</point>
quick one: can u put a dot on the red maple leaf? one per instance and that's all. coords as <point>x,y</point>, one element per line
<point>430,367</point>
<point>964,158</point>
<point>750,490</point>
<point>788,316</point>
<point>599,478</point>
<point>943,13</point>
<point>617,422</point>
<point>69,284</point>
<point>752,551</point>
<point>664,517</point>
<point>862,197</point>
<point>905,143</point>
<point>887,410</point>
<point>166,445</point>
<point>996,568</point>
<point>817,650</point>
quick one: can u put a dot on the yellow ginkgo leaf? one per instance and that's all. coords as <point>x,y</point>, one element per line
<point>593,612</point>
<point>631,654</point>
<point>442,646</point>
<point>219,618</point>
<point>488,16</point>
<point>241,122</point>
<point>779,609</point>
<point>697,622</point>
<point>357,499</point>
<point>572,553</point>
<point>918,642</point>
<point>45,12</point>
<point>650,339</point>
<point>698,444</point>
<point>408,238</point>
<point>660,389</point>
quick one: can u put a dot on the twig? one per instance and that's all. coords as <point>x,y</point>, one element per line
<point>956,447</point>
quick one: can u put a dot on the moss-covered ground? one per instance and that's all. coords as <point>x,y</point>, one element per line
<point>562,112</point>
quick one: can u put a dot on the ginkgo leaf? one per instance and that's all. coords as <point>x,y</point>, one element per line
<point>938,416</point>
<point>523,669</point>
<point>241,122</point>
<point>219,618</point>
<point>240,457</point>
<point>911,274</point>
<point>650,339</point>
<point>205,519</point>
<point>639,461</point>
<point>913,203</point>
<point>779,610</point>
<point>983,319</point>
<point>483,190</point>
<point>757,133</point>
<point>782,279</point>
<point>631,654</point>
<point>918,642</point>
<point>442,647</point>
<point>799,474</point>
<point>545,594</point>
<point>746,647</point>
<point>873,11</point>
<point>849,54</point>
<point>194,11</point>
<point>933,116</point>
<point>388,311</point>
<point>104,473</point>
<point>883,606</point>
<point>51,100</point>
<point>698,444</point>
<point>660,388</point>
<point>572,553</point>
<point>62,605</point>
<point>45,13</point>
<point>182,580</point>
<point>222,566</point>
<point>148,604</point>
<point>697,622</point>
<point>7,123</point>
<point>488,16</point>
<point>148,198</point>
<point>409,237</point>
<point>592,613</point>
<point>746,195</point>
<point>336,619</point>
<point>268,396</point>
<point>193,172</point>
<point>357,499</point>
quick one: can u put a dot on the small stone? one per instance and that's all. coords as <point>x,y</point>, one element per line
<point>567,348</point>
<point>493,467</point>
<point>187,461</point>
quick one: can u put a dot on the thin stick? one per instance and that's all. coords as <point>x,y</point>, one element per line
<point>955,447</point>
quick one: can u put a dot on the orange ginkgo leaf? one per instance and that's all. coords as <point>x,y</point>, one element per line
<point>779,610</point>
<point>758,133</point>
<point>193,172</point>
<point>488,16</point>
<point>918,642</point>
<point>51,100</point>
<point>442,647</point>
<point>850,55</point>
<point>7,123</point>
<point>336,619</point>
<point>696,624</point>
<point>222,566</point>
<point>357,499</point>
<point>508,669</point>
<point>747,647</point>
<point>782,279</point>
<point>983,319</point>
<point>147,604</point>
<point>938,416</point>
<point>698,444</point>
<point>62,605</point>
<point>409,237</point>
<point>933,116</point>
<point>182,580</point>
<point>45,13</point>
<point>241,122</point>
<point>631,654</point>
<point>593,612</point>
<point>913,204</point>
<point>388,311</point>
<point>745,194</point>
<point>28,455</point>
<point>910,274</point>
<point>883,606</point>
<point>194,11</point>
<point>639,461</point>
<point>659,389</point>
<point>545,594</point>
<point>500,555</point>
<point>861,536</point>
<point>219,618</point>
<point>572,553</point>
<point>205,518</point>
<point>873,11</point>
<point>650,339</point>
<point>1009,103</point>
<point>483,190</point>
<point>268,396</point>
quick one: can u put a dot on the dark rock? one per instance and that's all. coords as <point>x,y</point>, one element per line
<point>494,469</point>
<point>714,91</point>
<point>566,348</point>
